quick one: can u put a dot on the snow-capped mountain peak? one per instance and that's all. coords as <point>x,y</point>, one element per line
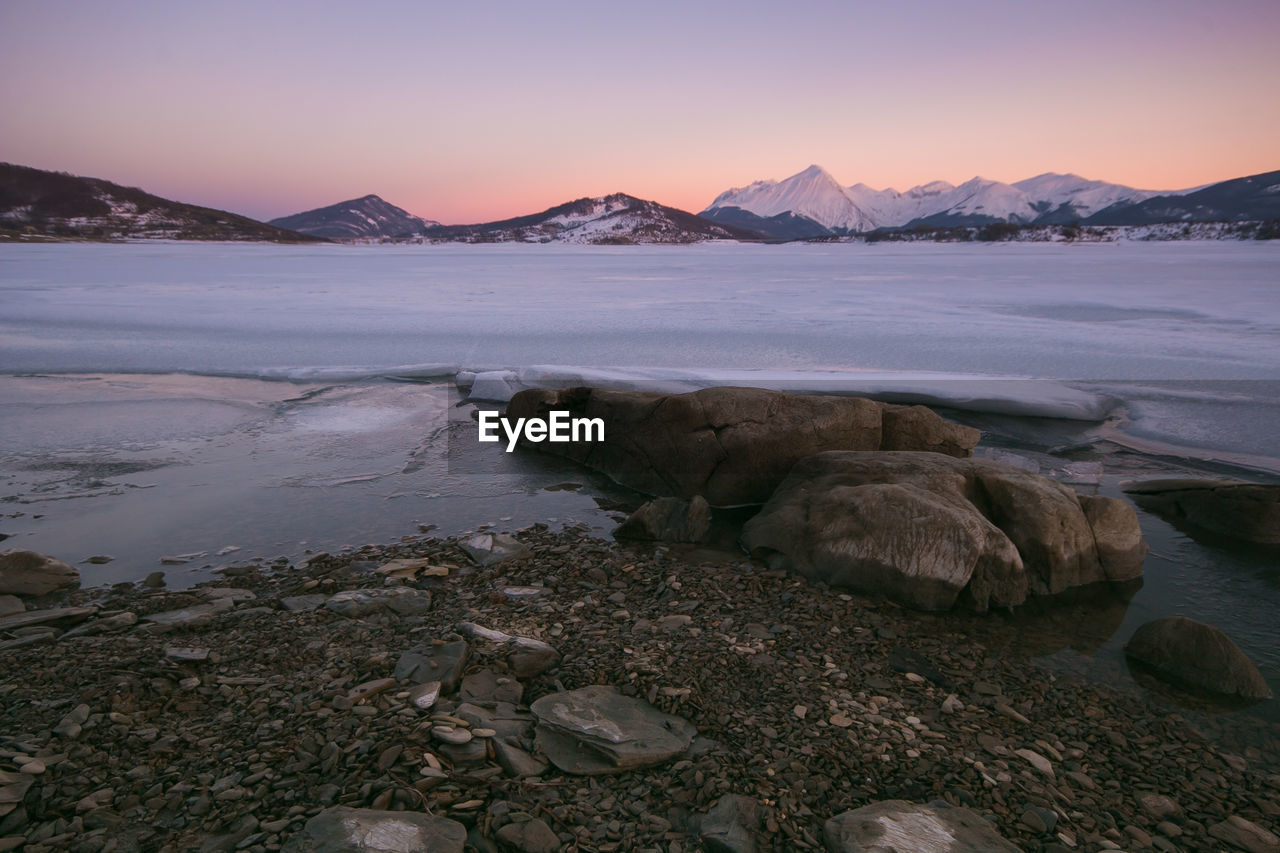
<point>812,193</point>
<point>815,195</point>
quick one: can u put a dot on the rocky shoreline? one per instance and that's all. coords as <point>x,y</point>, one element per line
<point>273,698</point>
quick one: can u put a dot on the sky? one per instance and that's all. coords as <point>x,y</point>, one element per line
<point>468,112</point>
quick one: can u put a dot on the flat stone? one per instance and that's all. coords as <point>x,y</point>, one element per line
<point>186,617</point>
<point>1036,760</point>
<point>1246,835</point>
<point>486,686</point>
<point>442,663</point>
<point>370,688</point>
<point>516,762</point>
<point>897,825</point>
<point>186,655</point>
<point>526,656</point>
<point>596,729</point>
<point>41,617</point>
<point>345,830</point>
<point>13,786</point>
<point>30,573</point>
<point>304,602</point>
<point>423,696</point>
<point>11,604</point>
<point>106,625</point>
<point>731,825</point>
<point>364,602</point>
<point>485,549</point>
<point>408,569</point>
<point>530,836</point>
<point>448,734</point>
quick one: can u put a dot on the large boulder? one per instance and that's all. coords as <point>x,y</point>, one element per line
<point>924,529</point>
<point>730,445</point>
<point>897,826</point>
<point>595,730</point>
<point>1197,655</point>
<point>29,573</point>
<point>1233,508</point>
<point>346,830</point>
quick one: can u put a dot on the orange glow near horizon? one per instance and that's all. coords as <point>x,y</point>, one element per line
<point>463,118</point>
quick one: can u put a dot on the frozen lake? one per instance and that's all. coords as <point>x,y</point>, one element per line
<point>1176,346</point>
<point>1111,311</point>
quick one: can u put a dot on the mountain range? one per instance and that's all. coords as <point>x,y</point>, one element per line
<point>812,203</point>
<point>611,219</point>
<point>37,204</point>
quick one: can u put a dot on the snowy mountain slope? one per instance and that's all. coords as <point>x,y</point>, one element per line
<point>617,218</point>
<point>1068,198</point>
<point>814,194</point>
<point>358,218</point>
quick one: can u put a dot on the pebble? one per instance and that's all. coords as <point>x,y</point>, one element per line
<point>445,734</point>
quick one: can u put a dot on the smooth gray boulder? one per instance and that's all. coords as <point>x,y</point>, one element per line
<point>29,573</point>
<point>1197,655</point>
<point>345,830</point>
<point>595,730</point>
<point>897,826</point>
<point>668,520</point>
<point>730,445</point>
<point>1232,508</point>
<point>928,530</point>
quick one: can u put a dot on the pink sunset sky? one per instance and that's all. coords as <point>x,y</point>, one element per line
<point>469,112</point>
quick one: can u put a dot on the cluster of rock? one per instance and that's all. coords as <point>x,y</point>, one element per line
<point>870,496</point>
<point>885,500</point>
<point>732,446</point>
<point>924,528</point>
<point>360,702</point>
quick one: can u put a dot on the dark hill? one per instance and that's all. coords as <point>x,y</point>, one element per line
<point>36,203</point>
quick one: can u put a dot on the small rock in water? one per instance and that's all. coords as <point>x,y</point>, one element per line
<point>155,580</point>
<point>180,559</point>
<point>98,559</point>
